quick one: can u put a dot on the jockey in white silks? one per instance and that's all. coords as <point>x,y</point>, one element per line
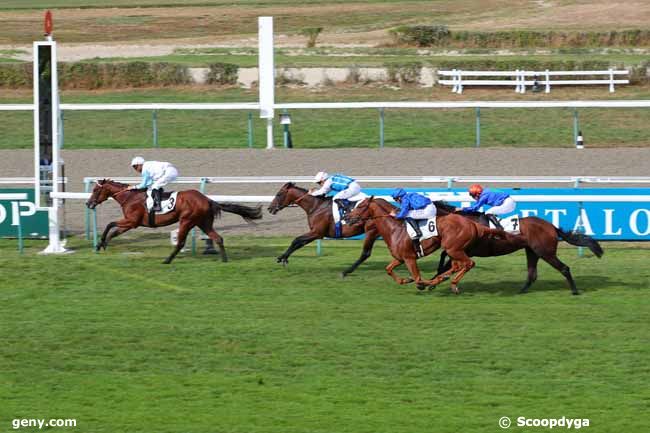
<point>155,175</point>
<point>345,188</point>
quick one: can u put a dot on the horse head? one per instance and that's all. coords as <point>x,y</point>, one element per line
<point>103,190</point>
<point>285,197</point>
<point>361,212</point>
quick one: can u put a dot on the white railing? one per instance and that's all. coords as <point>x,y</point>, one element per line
<point>23,180</point>
<point>522,78</point>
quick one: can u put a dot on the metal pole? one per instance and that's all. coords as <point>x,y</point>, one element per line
<point>478,126</point>
<point>87,211</point>
<point>576,125</point>
<point>154,116</point>
<point>20,233</point>
<point>285,133</point>
<point>95,230</point>
<point>250,130</point>
<point>61,135</point>
<point>381,128</point>
<point>319,248</point>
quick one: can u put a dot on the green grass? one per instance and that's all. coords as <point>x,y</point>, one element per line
<point>338,128</point>
<point>123,343</point>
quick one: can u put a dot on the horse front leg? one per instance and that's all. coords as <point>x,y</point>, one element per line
<point>104,242</point>
<point>390,271</point>
<point>368,243</point>
<point>412,265</point>
<point>297,243</point>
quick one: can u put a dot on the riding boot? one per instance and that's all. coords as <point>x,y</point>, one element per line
<point>152,217</point>
<point>338,229</point>
<point>494,220</point>
<point>156,194</point>
<point>418,234</point>
<point>343,206</point>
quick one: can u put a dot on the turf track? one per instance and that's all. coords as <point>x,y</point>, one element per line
<point>122,343</point>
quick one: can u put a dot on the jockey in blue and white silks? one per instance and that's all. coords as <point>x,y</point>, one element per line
<point>413,207</point>
<point>501,203</point>
<point>344,187</point>
<point>155,175</point>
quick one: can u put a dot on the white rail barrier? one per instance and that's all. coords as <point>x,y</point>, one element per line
<point>520,80</point>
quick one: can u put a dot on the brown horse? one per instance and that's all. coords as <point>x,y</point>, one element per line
<point>537,236</point>
<point>455,234</point>
<point>321,222</point>
<point>192,209</point>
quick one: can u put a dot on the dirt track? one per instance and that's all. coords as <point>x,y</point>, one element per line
<point>356,162</point>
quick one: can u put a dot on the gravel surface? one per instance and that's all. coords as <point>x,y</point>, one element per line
<point>356,162</point>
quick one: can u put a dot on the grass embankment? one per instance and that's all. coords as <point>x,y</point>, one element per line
<point>123,343</point>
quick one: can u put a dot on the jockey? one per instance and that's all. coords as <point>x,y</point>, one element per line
<point>344,186</point>
<point>413,207</point>
<point>500,201</point>
<point>155,175</point>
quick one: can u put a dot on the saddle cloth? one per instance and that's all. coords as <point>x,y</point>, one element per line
<point>168,203</point>
<point>510,224</point>
<point>429,229</point>
<point>355,199</point>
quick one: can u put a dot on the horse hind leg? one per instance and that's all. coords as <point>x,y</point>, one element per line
<point>531,260</point>
<point>390,270</point>
<point>463,267</point>
<point>183,230</point>
<point>215,238</point>
<point>564,270</point>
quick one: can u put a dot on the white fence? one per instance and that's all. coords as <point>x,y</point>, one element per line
<point>522,78</point>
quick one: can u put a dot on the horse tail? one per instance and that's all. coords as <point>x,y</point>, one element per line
<point>246,212</point>
<point>581,240</point>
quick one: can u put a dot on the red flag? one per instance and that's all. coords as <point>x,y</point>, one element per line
<point>48,23</point>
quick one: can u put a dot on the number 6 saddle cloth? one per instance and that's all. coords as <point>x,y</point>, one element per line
<point>167,204</point>
<point>428,227</point>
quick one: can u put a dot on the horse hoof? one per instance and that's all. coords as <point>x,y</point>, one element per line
<point>575,293</point>
<point>455,290</point>
<point>523,291</point>
<point>343,275</point>
<point>421,286</point>
<point>166,262</point>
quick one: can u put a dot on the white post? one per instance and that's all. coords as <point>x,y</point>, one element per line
<point>55,246</point>
<point>267,76</point>
<point>548,83</point>
<point>611,80</point>
<point>37,138</point>
<point>460,81</point>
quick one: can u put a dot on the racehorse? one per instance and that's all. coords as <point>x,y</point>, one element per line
<point>321,222</point>
<point>455,234</point>
<point>192,209</point>
<point>537,236</point>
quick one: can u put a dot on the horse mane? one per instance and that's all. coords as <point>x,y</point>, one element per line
<point>448,208</point>
<point>301,189</point>
<point>112,182</point>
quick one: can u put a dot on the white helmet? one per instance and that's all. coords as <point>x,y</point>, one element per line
<point>138,160</point>
<point>321,176</point>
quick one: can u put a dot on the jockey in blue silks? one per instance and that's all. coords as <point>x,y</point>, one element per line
<point>413,207</point>
<point>344,186</point>
<point>501,203</point>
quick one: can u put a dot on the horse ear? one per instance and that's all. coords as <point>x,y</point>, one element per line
<point>372,197</point>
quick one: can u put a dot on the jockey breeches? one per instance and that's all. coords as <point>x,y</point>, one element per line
<point>423,214</point>
<point>353,189</point>
<point>506,207</point>
<point>168,176</point>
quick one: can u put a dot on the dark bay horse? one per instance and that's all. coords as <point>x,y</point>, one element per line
<point>537,236</point>
<point>321,222</point>
<point>455,233</point>
<point>192,209</point>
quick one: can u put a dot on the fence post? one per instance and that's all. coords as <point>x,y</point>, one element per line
<point>95,230</point>
<point>319,248</point>
<point>478,126</point>
<point>548,83</point>
<point>87,211</point>
<point>576,125</point>
<point>581,228</point>
<point>611,80</point>
<point>381,128</point>
<point>61,135</point>
<point>154,118</point>
<point>250,130</point>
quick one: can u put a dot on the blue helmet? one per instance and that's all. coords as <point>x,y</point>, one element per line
<point>398,193</point>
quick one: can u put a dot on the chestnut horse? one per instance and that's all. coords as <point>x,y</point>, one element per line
<point>192,209</point>
<point>537,236</point>
<point>321,222</point>
<point>455,234</point>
